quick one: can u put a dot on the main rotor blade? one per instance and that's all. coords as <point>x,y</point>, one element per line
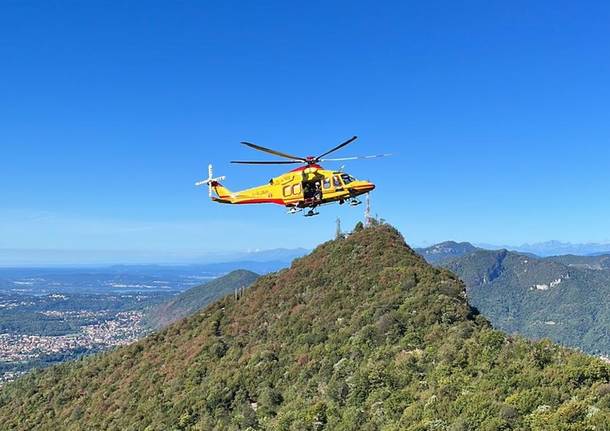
<point>355,158</point>
<point>274,152</point>
<point>349,141</point>
<point>264,162</point>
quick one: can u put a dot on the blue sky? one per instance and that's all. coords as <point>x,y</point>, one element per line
<point>497,113</point>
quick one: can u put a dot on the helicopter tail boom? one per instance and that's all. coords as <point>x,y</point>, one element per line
<point>223,194</point>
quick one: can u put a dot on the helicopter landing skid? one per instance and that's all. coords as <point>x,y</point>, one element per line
<point>294,210</point>
<point>311,213</point>
<point>355,202</point>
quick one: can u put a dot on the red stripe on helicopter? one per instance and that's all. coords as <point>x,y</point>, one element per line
<point>227,199</point>
<point>302,168</point>
<point>262,201</point>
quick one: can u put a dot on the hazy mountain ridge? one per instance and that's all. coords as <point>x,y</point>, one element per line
<point>562,298</point>
<point>103,258</point>
<point>597,262</point>
<point>195,298</point>
<point>362,334</point>
<point>554,248</point>
<point>445,250</point>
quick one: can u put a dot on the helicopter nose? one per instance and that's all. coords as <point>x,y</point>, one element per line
<point>365,188</point>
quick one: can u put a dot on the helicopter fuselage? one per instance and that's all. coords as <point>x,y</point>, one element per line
<point>306,186</point>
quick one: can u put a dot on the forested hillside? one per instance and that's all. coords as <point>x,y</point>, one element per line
<point>599,262</point>
<point>360,335</point>
<point>564,298</point>
<point>195,298</point>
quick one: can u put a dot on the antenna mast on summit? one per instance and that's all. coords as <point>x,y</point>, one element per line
<point>338,231</point>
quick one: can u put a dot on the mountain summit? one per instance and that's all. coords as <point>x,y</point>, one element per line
<point>445,251</point>
<point>362,334</point>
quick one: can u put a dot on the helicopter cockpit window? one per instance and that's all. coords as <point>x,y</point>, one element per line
<point>287,191</point>
<point>337,181</point>
<point>296,189</point>
<point>326,183</point>
<point>347,178</point>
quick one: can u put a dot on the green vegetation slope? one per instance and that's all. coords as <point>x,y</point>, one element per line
<point>599,262</point>
<point>362,334</point>
<point>194,299</point>
<point>564,298</point>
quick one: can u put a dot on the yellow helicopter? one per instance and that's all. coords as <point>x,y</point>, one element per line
<point>307,186</point>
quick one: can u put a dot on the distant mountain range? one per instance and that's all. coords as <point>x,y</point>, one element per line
<point>196,298</point>
<point>445,250</point>
<point>51,257</point>
<point>564,298</point>
<point>276,254</point>
<point>259,266</point>
<point>554,248</point>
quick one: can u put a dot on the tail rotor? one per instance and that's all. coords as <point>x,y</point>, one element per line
<point>210,181</point>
